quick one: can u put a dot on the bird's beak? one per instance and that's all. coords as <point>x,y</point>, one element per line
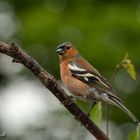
<point>60,51</point>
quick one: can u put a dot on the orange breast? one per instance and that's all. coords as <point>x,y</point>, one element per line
<point>75,86</point>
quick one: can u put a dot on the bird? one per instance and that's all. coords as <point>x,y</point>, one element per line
<point>84,81</point>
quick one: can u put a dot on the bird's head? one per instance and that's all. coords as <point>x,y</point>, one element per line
<point>66,50</point>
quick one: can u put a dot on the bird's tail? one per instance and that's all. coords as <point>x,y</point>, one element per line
<point>119,104</point>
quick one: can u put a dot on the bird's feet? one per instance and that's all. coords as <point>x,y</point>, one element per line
<point>68,100</point>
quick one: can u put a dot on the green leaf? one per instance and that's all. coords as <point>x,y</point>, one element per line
<point>129,66</point>
<point>135,135</point>
<point>96,113</point>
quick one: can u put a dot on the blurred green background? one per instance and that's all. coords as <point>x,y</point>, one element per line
<point>102,30</point>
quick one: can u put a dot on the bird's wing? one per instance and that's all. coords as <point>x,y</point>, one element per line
<point>88,75</point>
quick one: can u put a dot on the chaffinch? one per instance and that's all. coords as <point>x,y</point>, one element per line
<point>84,81</point>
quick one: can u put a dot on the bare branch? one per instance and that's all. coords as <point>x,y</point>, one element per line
<point>49,82</point>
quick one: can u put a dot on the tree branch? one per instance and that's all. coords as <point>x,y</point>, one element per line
<point>49,82</point>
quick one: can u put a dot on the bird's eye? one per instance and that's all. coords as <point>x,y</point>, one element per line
<point>68,47</point>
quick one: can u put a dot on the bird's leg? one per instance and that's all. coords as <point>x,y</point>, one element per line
<point>94,103</point>
<point>68,100</point>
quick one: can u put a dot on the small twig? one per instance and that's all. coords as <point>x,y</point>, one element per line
<point>107,119</point>
<point>115,72</point>
<point>107,106</point>
<point>49,82</point>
